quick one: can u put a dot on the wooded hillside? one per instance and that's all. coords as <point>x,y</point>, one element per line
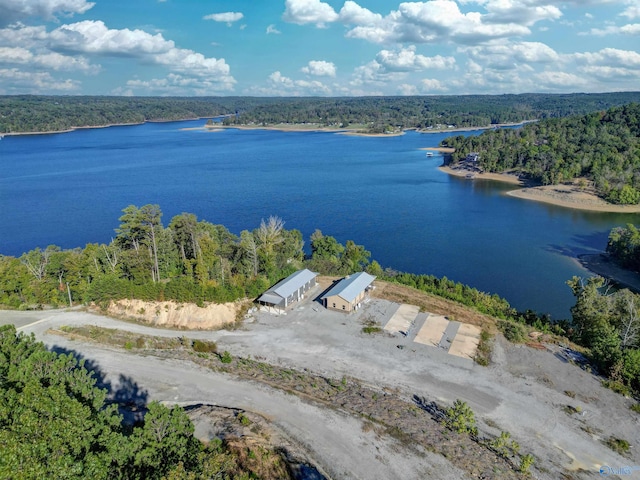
<point>28,113</point>
<point>603,147</point>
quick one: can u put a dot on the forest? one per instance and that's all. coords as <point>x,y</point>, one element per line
<point>601,148</point>
<point>59,420</point>
<point>28,113</point>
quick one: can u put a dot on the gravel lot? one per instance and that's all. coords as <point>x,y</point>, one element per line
<point>525,391</point>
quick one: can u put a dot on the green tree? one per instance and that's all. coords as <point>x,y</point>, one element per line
<point>165,439</point>
<point>460,418</point>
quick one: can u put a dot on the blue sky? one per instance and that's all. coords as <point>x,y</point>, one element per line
<point>319,48</point>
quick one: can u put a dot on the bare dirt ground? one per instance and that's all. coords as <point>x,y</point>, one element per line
<point>552,408</point>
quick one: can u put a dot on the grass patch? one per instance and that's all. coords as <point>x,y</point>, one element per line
<point>617,387</point>
<point>204,346</point>
<point>371,329</point>
<point>120,338</point>
<point>485,348</point>
<point>370,326</point>
<point>635,407</point>
<point>618,445</point>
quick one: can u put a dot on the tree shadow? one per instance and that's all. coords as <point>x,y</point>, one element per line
<point>126,393</point>
<point>432,408</point>
<point>591,243</point>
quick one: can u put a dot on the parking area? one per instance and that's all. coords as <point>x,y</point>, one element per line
<point>404,322</point>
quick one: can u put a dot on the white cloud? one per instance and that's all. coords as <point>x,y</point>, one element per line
<point>352,13</point>
<point>510,55</point>
<point>521,12</point>
<point>50,60</point>
<point>435,21</point>
<point>94,37</point>
<point>174,84</point>
<point>374,74</point>
<point>22,36</point>
<point>629,29</point>
<point>281,85</point>
<point>15,10</point>
<point>225,17</point>
<point>16,81</point>
<point>59,49</point>
<point>406,60</point>
<point>431,85</point>
<point>309,11</point>
<point>271,29</point>
<point>610,57</point>
<point>320,68</point>
<point>631,12</point>
<point>560,81</point>
<point>407,89</point>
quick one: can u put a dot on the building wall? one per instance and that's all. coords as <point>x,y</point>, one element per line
<point>336,302</point>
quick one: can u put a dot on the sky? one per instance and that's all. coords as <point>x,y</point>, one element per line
<point>318,48</point>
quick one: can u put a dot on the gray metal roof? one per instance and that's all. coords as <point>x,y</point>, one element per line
<point>350,287</point>
<point>284,288</point>
<point>270,298</point>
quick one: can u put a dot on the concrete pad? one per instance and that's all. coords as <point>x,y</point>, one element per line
<point>432,331</point>
<point>402,319</point>
<point>465,344</point>
<point>469,330</point>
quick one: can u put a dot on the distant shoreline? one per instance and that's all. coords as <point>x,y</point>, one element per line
<point>88,127</point>
<point>564,195</point>
<point>276,127</point>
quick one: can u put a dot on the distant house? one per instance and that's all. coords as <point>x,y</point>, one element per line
<point>348,293</point>
<point>289,290</point>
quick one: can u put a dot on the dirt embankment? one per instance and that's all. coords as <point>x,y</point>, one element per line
<point>186,316</point>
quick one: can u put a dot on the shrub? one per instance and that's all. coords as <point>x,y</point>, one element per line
<point>512,331</point>
<point>243,419</point>
<point>460,418</point>
<point>226,357</point>
<point>204,346</point>
<point>525,463</point>
<point>618,445</point>
<point>504,446</point>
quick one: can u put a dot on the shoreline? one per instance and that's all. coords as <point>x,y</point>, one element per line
<point>88,127</point>
<point>564,195</point>
<point>276,127</point>
<point>602,265</point>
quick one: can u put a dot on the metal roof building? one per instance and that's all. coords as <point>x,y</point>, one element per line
<point>289,290</point>
<point>347,294</point>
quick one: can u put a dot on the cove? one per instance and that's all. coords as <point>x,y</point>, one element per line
<point>69,189</point>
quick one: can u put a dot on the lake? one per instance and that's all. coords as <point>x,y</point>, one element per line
<point>69,189</point>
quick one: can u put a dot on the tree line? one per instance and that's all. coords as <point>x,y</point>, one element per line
<point>190,260</point>
<point>600,147</point>
<point>380,114</point>
<point>30,113</point>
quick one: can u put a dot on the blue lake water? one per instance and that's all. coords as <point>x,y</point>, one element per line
<point>69,189</point>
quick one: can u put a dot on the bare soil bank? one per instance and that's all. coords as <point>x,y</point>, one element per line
<point>176,315</point>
